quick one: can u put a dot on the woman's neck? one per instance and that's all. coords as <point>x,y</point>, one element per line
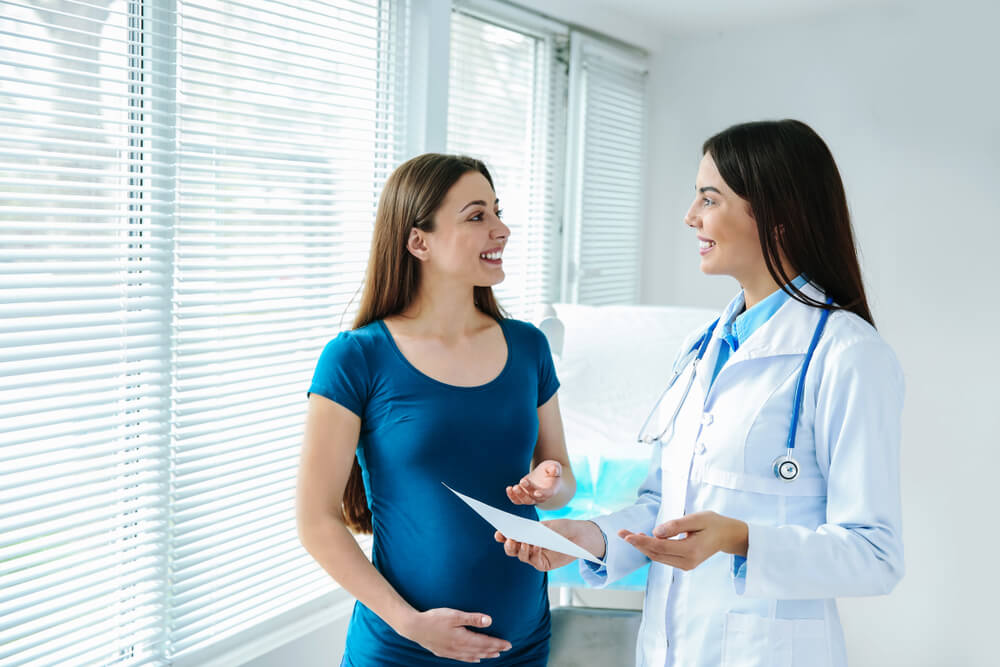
<point>444,312</point>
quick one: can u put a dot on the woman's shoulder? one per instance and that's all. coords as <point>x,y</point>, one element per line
<point>353,343</point>
<point>523,333</point>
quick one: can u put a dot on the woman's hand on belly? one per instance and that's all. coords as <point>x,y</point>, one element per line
<point>687,542</point>
<point>538,486</point>
<point>443,632</point>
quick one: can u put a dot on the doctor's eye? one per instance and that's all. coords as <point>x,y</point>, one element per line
<point>499,213</point>
<point>478,217</point>
<point>707,202</point>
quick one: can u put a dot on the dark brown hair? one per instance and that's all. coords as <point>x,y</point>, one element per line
<point>411,196</point>
<point>787,174</point>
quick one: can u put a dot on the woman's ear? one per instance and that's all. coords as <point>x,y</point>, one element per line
<point>417,244</point>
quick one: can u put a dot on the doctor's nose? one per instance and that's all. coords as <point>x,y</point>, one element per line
<point>692,220</point>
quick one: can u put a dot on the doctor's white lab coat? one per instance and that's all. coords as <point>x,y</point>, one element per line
<point>835,531</point>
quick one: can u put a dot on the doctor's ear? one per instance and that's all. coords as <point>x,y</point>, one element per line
<point>417,244</point>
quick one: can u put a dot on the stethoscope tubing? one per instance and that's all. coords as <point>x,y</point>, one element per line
<point>785,467</point>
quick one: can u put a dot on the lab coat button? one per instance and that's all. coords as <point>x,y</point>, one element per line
<point>707,419</point>
<point>702,448</point>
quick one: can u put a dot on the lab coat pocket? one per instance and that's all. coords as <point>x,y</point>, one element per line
<point>755,641</point>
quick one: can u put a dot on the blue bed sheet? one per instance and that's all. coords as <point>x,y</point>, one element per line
<point>602,486</point>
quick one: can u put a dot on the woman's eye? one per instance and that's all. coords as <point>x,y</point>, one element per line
<point>707,202</point>
<point>499,213</point>
<point>477,217</point>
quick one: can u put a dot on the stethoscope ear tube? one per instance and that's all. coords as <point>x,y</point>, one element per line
<point>701,346</point>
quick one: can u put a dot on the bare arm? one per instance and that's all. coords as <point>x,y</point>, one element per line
<point>331,436</point>
<point>550,484</point>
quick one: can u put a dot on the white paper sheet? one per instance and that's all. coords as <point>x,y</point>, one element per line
<point>526,530</point>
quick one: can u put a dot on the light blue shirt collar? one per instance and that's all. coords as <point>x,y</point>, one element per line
<point>738,326</point>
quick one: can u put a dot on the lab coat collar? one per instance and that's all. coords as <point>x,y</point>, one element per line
<point>788,331</point>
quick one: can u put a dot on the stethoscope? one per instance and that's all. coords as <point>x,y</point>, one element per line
<point>785,467</point>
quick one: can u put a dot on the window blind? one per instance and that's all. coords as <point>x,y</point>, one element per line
<point>605,176</point>
<point>84,354</point>
<point>286,129</point>
<point>506,106</point>
<point>186,198</point>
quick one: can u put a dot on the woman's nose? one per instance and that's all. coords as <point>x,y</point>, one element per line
<point>501,231</point>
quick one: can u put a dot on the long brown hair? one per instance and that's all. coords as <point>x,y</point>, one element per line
<point>787,174</point>
<point>411,196</point>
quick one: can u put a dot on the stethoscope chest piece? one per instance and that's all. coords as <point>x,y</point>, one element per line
<point>786,468</point>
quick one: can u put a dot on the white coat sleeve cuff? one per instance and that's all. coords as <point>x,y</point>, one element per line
<point>621,558</point>
<point>594,575</point>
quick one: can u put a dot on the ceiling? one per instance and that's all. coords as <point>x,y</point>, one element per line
<point>651,18</point>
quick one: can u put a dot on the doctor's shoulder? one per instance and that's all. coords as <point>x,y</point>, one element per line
<point>854,345</point>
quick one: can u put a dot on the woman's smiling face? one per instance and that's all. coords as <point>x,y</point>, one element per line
<point>727,233</point>
<point>469,237</point>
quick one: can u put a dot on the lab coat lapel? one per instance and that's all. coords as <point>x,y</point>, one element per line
<point>706,367</point>
<point>788,331</point>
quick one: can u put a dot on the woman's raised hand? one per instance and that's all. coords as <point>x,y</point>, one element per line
<point>538,485</point>
<point>444,633</point>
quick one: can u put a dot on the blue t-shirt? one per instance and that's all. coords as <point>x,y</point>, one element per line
<point>416,433</point>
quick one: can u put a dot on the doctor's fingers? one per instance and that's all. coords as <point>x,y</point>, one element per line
<point>511,547</point>
<point>527,552</point>
<point>533,556</point>
<point>689,523</point>
<point>659,549</point>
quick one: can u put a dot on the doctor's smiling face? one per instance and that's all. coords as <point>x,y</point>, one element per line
<point>727,232</point>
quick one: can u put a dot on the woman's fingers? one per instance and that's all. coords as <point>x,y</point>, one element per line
<point>473,646</point>
<point>519,496</point>
<point>531,489</point>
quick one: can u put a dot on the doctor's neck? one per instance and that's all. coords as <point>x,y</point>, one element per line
<point>761,285</point>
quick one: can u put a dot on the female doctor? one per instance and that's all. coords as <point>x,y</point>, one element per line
<point>774,482</point>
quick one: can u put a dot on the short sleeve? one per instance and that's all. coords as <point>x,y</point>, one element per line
<point>342,374</point>
<point>548,383</point>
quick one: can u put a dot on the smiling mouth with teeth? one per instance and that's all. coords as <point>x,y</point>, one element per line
<point>491,256</point>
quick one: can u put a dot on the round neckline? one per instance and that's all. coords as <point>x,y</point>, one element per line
<point>406,362</point>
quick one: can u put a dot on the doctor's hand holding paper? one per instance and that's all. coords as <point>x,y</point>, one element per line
<point>773,484</point>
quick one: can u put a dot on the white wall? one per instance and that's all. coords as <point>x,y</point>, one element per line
<point>907,99</point>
